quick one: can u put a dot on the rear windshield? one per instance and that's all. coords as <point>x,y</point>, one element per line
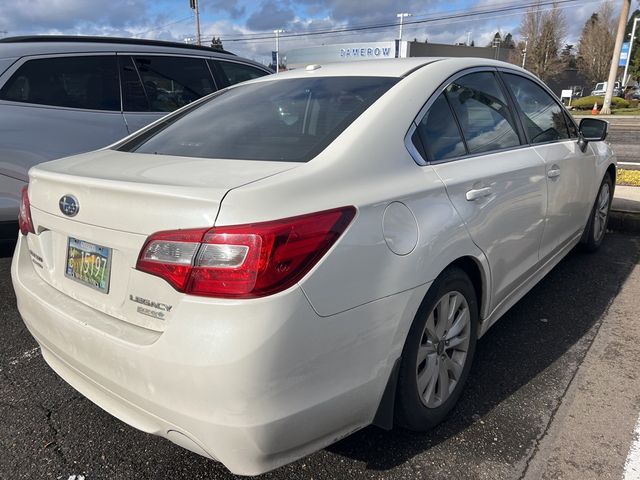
<point>285,120</point>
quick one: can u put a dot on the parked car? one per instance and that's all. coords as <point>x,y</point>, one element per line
<point>65,95</point>
<point>276,266</point>
<point>600,89</point>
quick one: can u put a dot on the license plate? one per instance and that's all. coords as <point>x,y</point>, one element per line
<point>89,264</point>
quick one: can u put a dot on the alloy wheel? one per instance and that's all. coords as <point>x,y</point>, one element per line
<point>443,349</point>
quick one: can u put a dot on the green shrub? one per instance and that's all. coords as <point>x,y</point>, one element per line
<point>634,103</point>
<point>586,103</point>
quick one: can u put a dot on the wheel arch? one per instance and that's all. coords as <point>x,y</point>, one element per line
<point>478,271</point>
<point>479,274</point>
<point>612,171</point>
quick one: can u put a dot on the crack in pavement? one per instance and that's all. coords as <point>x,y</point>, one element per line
<point>54,430</point>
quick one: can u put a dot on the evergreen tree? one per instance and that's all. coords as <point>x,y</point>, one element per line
<point>216,43</point>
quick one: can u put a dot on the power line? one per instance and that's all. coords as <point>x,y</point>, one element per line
<point>477,10</point>
<point>417,21</point>
<point>162,26</point>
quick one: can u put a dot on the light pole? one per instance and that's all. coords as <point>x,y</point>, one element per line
<point>633,36</point>
<point>402,16</point>
<point>524,52</point>
<point>278,32</point>
<point>496,44</point>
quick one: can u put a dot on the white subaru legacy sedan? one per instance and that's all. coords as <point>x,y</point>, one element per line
<point>286,261</point>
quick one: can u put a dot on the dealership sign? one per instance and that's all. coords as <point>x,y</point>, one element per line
<point>342,52</point>
<point>375,52</point>
<point>624,54</point>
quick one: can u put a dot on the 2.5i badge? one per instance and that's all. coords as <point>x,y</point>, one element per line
<point>157,309</point>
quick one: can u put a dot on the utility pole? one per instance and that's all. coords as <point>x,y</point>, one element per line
<point>524,52</point>
<point>402,16</point>
<point>278,32</point>
<point>624,14</point>
<point>468,38</point>
<point>626,67</point>
<point>196,10</point>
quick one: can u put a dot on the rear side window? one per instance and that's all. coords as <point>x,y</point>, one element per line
<point>542,116</point>
<point>233,73</point>
<point>89,82</point>
<point>169,82</point>
<point>439,133</point>
<point>485,118</point>
<point>286,120</point>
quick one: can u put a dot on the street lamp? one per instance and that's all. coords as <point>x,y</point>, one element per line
<point>196,10</point>
<point>401,16</point>
<point>278,32</point>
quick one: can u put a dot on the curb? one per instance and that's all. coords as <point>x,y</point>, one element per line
<point>625,210</point>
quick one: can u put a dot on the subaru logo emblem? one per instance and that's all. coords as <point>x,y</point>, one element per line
<point>69,205</point>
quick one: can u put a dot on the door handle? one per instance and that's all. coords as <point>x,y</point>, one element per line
<point>478,193</point>
<point>553,173</point>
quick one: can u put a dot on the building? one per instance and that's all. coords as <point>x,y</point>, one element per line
<point>350,52</point>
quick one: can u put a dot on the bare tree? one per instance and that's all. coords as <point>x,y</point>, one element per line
<point>545,30</point>
<point>596,44</point>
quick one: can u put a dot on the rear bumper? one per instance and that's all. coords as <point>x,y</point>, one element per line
<point>254,384</point>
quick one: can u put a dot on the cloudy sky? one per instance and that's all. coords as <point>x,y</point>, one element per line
<point>239,22</point>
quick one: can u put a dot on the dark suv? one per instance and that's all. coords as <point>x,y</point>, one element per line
<point>64,95</point>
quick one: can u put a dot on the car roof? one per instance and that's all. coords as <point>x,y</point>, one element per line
<point>396,67</point>
<point>16,47</point>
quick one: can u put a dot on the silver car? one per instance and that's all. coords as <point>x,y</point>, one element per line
<point>61,96</point>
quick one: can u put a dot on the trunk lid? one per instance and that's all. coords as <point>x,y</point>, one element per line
<point>123,198</point>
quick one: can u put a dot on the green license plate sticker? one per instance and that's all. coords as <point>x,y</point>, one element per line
<point>89,264</point>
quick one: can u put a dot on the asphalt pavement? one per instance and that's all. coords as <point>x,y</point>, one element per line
<point>522,371</point>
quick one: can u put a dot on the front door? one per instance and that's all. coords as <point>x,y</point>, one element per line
<point>569,172</point>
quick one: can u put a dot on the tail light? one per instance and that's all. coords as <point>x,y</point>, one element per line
<point>24,217</point>
<point>243,261</point>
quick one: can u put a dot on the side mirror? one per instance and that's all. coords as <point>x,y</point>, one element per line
<point>592,130</point>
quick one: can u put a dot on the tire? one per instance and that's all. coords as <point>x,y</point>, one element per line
<point>599,217</point>
<point>421,400</point>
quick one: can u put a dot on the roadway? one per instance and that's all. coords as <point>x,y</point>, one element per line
<point>624,137</point>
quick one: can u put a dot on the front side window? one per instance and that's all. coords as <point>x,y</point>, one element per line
<point>439,133</point>
<point>286,120</point>
<point>542,117</point>
<point>485,118</point>
<point>173,82</point>
<point>85,82</point>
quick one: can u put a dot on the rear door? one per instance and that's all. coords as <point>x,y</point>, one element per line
<point>473,141</point>
<point>569,172</point>
<point>154,85</point>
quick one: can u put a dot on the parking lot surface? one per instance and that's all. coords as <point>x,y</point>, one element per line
<point>522,371</point>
